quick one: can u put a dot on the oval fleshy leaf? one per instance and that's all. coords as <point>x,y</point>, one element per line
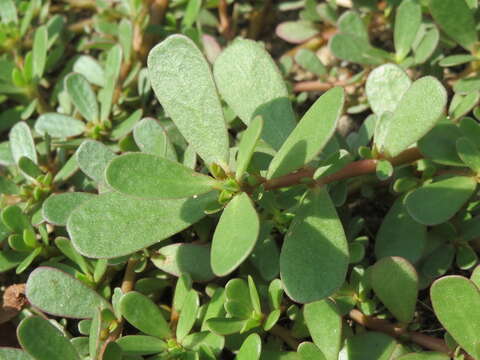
<point>395,282</point>
<point>141,345</point>
<point>456,19</point>
<point>92,158</point>
<point>247,146</point>
<point>177,259</point>
<point>325,326</point>
<point>113,225</point>
<point>407,22</point>
<point>296,32</point>
<point>153,177</point>
<point>310,351</point>
<point>43,341</point>
<point>437,202</point>
<point>188,314</point>
<point>368,346</point>
<point>430,355</point>
<point>142,313</point>
<point>418,111</point>
<point>82,96</point>
<point>250,349</point>
<point>385,87</point>
<point>314,256</point>
<point>151,138</point>
<point>21,142</point>
<point>58,207</point>
<point>237,231</point>
<point>461,322</point>
<point>246,65</point>
<point>194,106</point>
<point>59,125</point>
<point>58,293</point>
<point>310,135</point>
<point>7,353</point>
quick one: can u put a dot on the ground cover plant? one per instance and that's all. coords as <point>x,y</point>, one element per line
<point>291,180</point>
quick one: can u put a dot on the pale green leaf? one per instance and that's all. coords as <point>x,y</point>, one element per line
<point>40,44</point>
<point>250,349</point>
<point>407,22</point>
<point>82,96</point>
<point>247,145</point>
<point>92,158</point>
<point>58,207</point>
<point>59,125</point>
<point>21,142</point>
<point>296,32</point>
<point>188,314</point>
<point>112,72</point>
<point>152,138</point>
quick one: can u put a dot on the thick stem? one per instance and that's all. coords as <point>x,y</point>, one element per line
<point>225,26</point>
<point>129,277</point>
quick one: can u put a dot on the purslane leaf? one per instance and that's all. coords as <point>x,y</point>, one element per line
<point>194,106</point>
<point>59,125</point>
<point>250,349</point>
<point>112,225</point>
<point>314,256</point>
<point>247,146</point>
<point>7,353</point>
<point>21,142</point>
<point>237,231</point>
<point>92,158</point>
<point>151,138</point>
<point>39,52</point>
<point>82,96</point>
<point>58,207</point>
<point>153,177</point>
<point>407,23</point>
<point>245,67</point>
<point>310,135</point>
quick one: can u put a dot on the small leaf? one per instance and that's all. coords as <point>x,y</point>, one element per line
<point>439,144</point>
<point>15,219</point>
<point>250,349</point>
<point>92,158</point>
<point>82,95</point>
<point>91,69</point>
<point>237,231</point>
<point>462,322</point>
<point>246,65</point>
<point>456,19</point>
<point>437,202</point>
<point>12,353</point>
<point>385,87</point>
<point>464,105</point>
<point>226,326</point>
<point>57,208</point>
<point>193,106</point>
<point>247,145</point>
<point>126,126</point>
<point>325,326</point>
<point>407,22</point>
<point>129,224</point>
<point>113,64</point>
<point>430,355</point>
<point>21,142</point>
<point>43,341</point>
<point>272,319</point>
<point>426,45</point>
<point>40,44</point>
<point>59,125</point>
<point>469,153</point>
<point>369,345</point>
<point>141,345</point>
<point>309,351</point>
<point>455,60</point>
<point>151,138</point>
<point>188,314</point>
<point>384,169</point>
<point>395,282</point>
<point>177,259</point>
<point>60,294</point>
<point>296,32</point>
<point>142,313</point>
<point>353,48</point>
<point>153,177</point>
<point>414,116</point>
<point>310,62</point>
<point>314,256</point>
<point>310,135</point>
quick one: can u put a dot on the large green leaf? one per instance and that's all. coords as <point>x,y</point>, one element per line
<point>456,19</point>
<point>456,302</point>
<point>437,202</point>
<point>407,23</point>
<point>13,354</point>
<point>141,345</point>
<point>59,125</point>
<point>245,67</point>
<point>418,111</point>
<point>194,106</point>
<point>314,256</point>
<point>82,95</point>
<point>250,349</point>
<point>154,177</point>
<point>395,282</point>
<point>60,294</point>
<point>385,87</point>
<point>142,313</point>
<point>430,355</point>
<point>237,231</point>
<point>58,207</point>
<point>325,326</point>
<point>112,225</point>
<point>310,135</point>
<point>43,341</point>
<point>368,346</point>
<point>21,142</point>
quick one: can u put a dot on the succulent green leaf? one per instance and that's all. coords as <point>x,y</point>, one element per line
<point>237,231</point>
<point>151,138</point>
<point>325,326</point>
<point>91,69</point>
<point>204,338</point>
<point>439,144</point>
<point>400,235</point>
<point>310,351</point>
<point>437,202</point>
<point>58,207</point>
<point>250,349</point>
<point>430,355</point>
<point>43,341</point>
<point>314,257</point>
<point>194,106</point>
<point>407,23</point>
<point>454,60</point>
<point>113,64</point>
<point>469,153</point>
<point>177,259</point>
<point>40,45</point>
<point>8,14</point>
<point>353,49</point>
<point>247,145</point>
<point>456,19</point>
<point>142,313</point>
<point>153,177</point>
<point>92,158</point>
<point>385,87</point>
<point>395,282</point>
<point>141,345</point>
<point>126,126</point>
<point>59,125</point>
<point>426,44</point>
<point>464,105</point>
<point>13,354</point>
<point>225,326</point>
<point>461,322</point>
<point>7,186</point>
<point>82,96</point>
<point>296,32</point>
<point>369,345</point>
<point>418,111</point>
<point>188,314</point>
<point>21,142</point>
<point>310,62</point>
<point>243,66</point>
<point>310,135</point>
<point>60,294</point>
<point>112,225</point>
<point>15,219</point>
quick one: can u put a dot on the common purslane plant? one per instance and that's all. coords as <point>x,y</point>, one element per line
<point>168,193</point>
